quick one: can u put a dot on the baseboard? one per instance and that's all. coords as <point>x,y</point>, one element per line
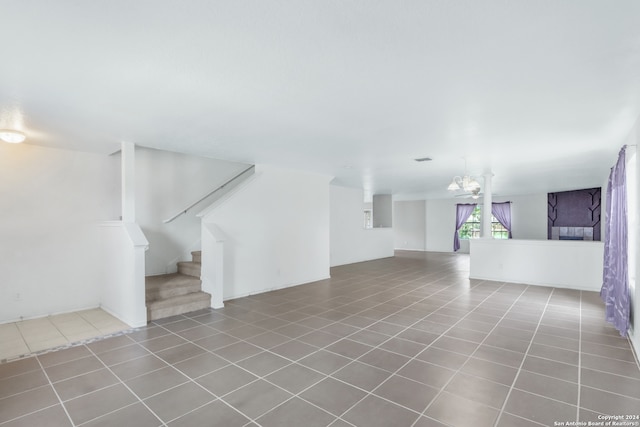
<point>361,260</point>
<point>42,316</point>
<point>546,285</point>
<point>136,324</point>
<point>635,346</point>
<point>291,285</point>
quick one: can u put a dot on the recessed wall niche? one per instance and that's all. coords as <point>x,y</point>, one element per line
<point>574,215</point>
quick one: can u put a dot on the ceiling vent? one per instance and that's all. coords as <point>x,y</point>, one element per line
<point>423,159</point>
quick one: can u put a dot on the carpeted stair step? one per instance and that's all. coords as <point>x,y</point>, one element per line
<point>170,285</point>
<point>177,293</point>
<point>190,268</point>
<point>177,305</point>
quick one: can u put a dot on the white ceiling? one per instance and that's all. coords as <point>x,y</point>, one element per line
<point>541,92</point>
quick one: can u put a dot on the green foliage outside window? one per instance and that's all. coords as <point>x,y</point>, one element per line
<point>471,228</point>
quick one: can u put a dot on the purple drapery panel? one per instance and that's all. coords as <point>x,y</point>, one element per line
<point>502,212</point>
<point>463,212</point>
<point>615,282</point>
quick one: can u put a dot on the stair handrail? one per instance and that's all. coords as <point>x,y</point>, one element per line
<point>209,194</point>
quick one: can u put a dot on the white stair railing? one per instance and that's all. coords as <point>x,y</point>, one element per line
<point>245,172</point>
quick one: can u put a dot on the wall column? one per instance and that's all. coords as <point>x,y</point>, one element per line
<point>486,208</point>
<point>128,170</point>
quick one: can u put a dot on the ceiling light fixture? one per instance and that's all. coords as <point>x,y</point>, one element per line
<point>466,183</point>
<point>12,136</point>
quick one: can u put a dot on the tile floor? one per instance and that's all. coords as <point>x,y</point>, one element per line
<point>31,336</point>
<point>404,341</point>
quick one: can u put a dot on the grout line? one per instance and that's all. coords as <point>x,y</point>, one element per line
<point>341,338</point>
<point>369,393</point>
<point>126,386</point>
<point>64,408</point>
<point>416,287</point>
<point>476,349</point>
<point>28,413</point>
<point>515,379</point>
<point>579,358</point>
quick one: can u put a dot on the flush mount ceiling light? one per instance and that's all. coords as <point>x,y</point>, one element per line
<point>466,183</point>
<point>12,136</point>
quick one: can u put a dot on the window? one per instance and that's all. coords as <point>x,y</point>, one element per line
<point>471,228</point>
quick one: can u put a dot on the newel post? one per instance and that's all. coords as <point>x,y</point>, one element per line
<point>212,275</point>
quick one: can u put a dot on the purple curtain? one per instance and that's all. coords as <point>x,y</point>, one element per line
<point>463,212</point>
<point>502,212</point>
<point>615,282</point>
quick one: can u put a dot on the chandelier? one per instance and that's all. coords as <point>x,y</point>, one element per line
<point>465,183</point>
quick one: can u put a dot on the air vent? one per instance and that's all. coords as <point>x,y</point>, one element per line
<point>423,159</point>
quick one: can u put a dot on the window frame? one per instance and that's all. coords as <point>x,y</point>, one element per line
<point>472,227</point>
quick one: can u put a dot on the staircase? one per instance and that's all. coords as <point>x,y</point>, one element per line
<point>177,293</point>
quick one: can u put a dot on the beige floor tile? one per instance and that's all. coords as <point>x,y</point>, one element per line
<point>33,322</point>
<point>65,318</point>
<point>76,328</point>
<point>83,335</point>
<point>35,325</point>
<point>94,315</point>
<point>43,335</point>
<point>27,336</point>
<point>47,344</point>
<point>111,327</point>
<point>9,332</point>
<point>44,330</point>
<point>13,348</point>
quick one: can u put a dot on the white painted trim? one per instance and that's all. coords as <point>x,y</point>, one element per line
<point>410,249</point>
<point>122,288</point>
<point>132,323</point>
<point>212,273</point>
<point>57,313</point>
<point>635,346</point>
<point>276,288</point>
<point>135,234</point>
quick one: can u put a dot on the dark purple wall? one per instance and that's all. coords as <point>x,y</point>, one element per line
<point>579,208</point>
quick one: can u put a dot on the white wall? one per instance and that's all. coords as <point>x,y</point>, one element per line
<point>528,217</point>
<point>382,210</point>
<point>409,225</point>
<point>563,264</point>
<point>276,231</point>
<point>122,283</point>
<point>350,241</point>
<point>167,182</point>
<point>50,203</point>
<point>440,226</point>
